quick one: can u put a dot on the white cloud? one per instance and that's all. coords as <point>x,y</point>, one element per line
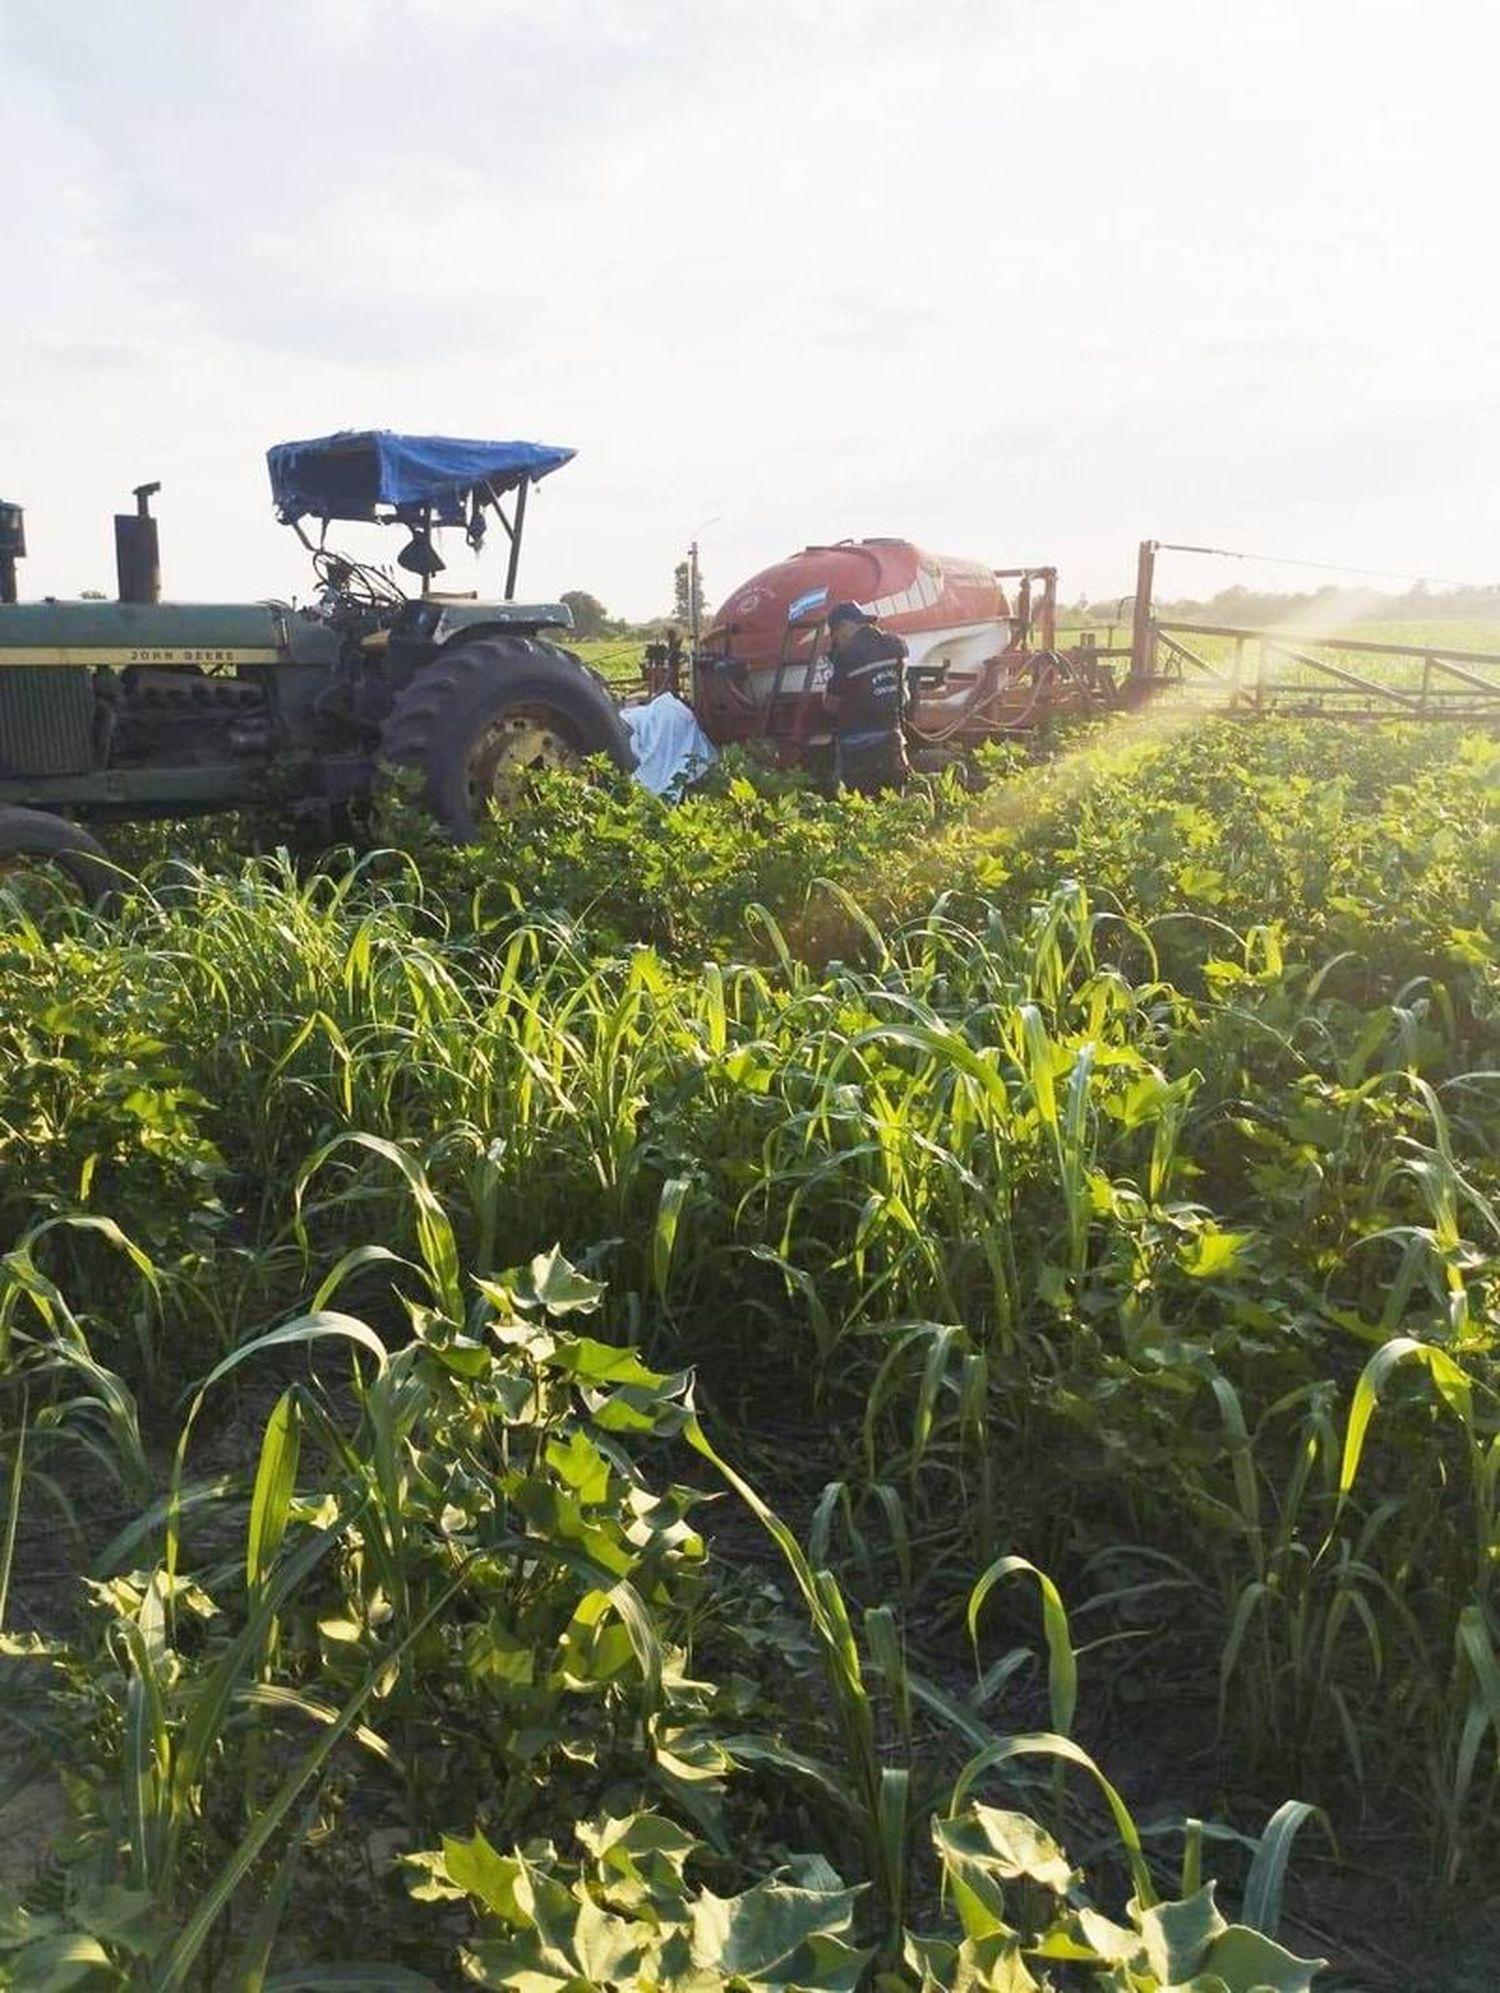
<point>1026,281</point>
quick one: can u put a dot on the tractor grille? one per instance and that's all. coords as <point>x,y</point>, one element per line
<point>46,719</point>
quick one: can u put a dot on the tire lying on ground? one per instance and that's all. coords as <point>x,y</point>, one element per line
<point>36,840</point>
<point>478,719</point>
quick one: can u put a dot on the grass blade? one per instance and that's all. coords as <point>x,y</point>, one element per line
<point>1062,1664</point>
<point>1263,1886</point>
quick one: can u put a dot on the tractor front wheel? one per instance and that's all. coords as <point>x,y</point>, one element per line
<point>37,847</point>
<point>478,720</point>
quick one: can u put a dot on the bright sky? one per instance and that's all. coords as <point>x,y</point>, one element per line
<point>1024,280</point>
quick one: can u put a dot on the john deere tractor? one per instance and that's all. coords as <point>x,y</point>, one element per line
<point>140,708</point>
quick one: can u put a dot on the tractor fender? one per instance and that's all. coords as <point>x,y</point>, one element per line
<point>470,633</point>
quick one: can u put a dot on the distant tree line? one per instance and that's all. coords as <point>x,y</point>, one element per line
<point>687,592</point>
<point>592,619</point>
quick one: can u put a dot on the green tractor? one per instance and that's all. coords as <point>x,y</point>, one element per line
<point>142,708</point>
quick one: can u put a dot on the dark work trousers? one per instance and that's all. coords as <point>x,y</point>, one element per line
<point>870,762</point>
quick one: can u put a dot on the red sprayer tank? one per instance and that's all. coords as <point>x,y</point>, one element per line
<point>920,596</point>
<point>765,655</point>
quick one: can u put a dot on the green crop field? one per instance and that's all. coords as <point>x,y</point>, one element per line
<point>619,659</point>
<point>767,1392</point>
<point>1448,632</point>
<point>1462,633</point>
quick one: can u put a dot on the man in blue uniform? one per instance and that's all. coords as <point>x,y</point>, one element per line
<point>866,697</point>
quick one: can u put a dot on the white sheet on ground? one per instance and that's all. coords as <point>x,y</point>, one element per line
<point>670,746</point>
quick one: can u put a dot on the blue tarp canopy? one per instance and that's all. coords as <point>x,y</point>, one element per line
<point>353,474</point>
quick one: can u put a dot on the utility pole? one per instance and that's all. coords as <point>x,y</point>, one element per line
<point>695,589</point>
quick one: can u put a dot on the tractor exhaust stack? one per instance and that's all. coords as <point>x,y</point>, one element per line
<point>12,547</point>
<point>137,551</point>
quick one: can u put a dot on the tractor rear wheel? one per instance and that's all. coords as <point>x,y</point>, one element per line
<point>482,716</point>
<point>35,845</point>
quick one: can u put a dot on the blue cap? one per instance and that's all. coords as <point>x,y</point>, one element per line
<point>848,612</point>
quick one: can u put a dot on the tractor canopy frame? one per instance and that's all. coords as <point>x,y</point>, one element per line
<point>420,482</point>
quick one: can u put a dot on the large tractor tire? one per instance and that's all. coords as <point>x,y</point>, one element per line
<point>36,844</point>
<point>477,720</point>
